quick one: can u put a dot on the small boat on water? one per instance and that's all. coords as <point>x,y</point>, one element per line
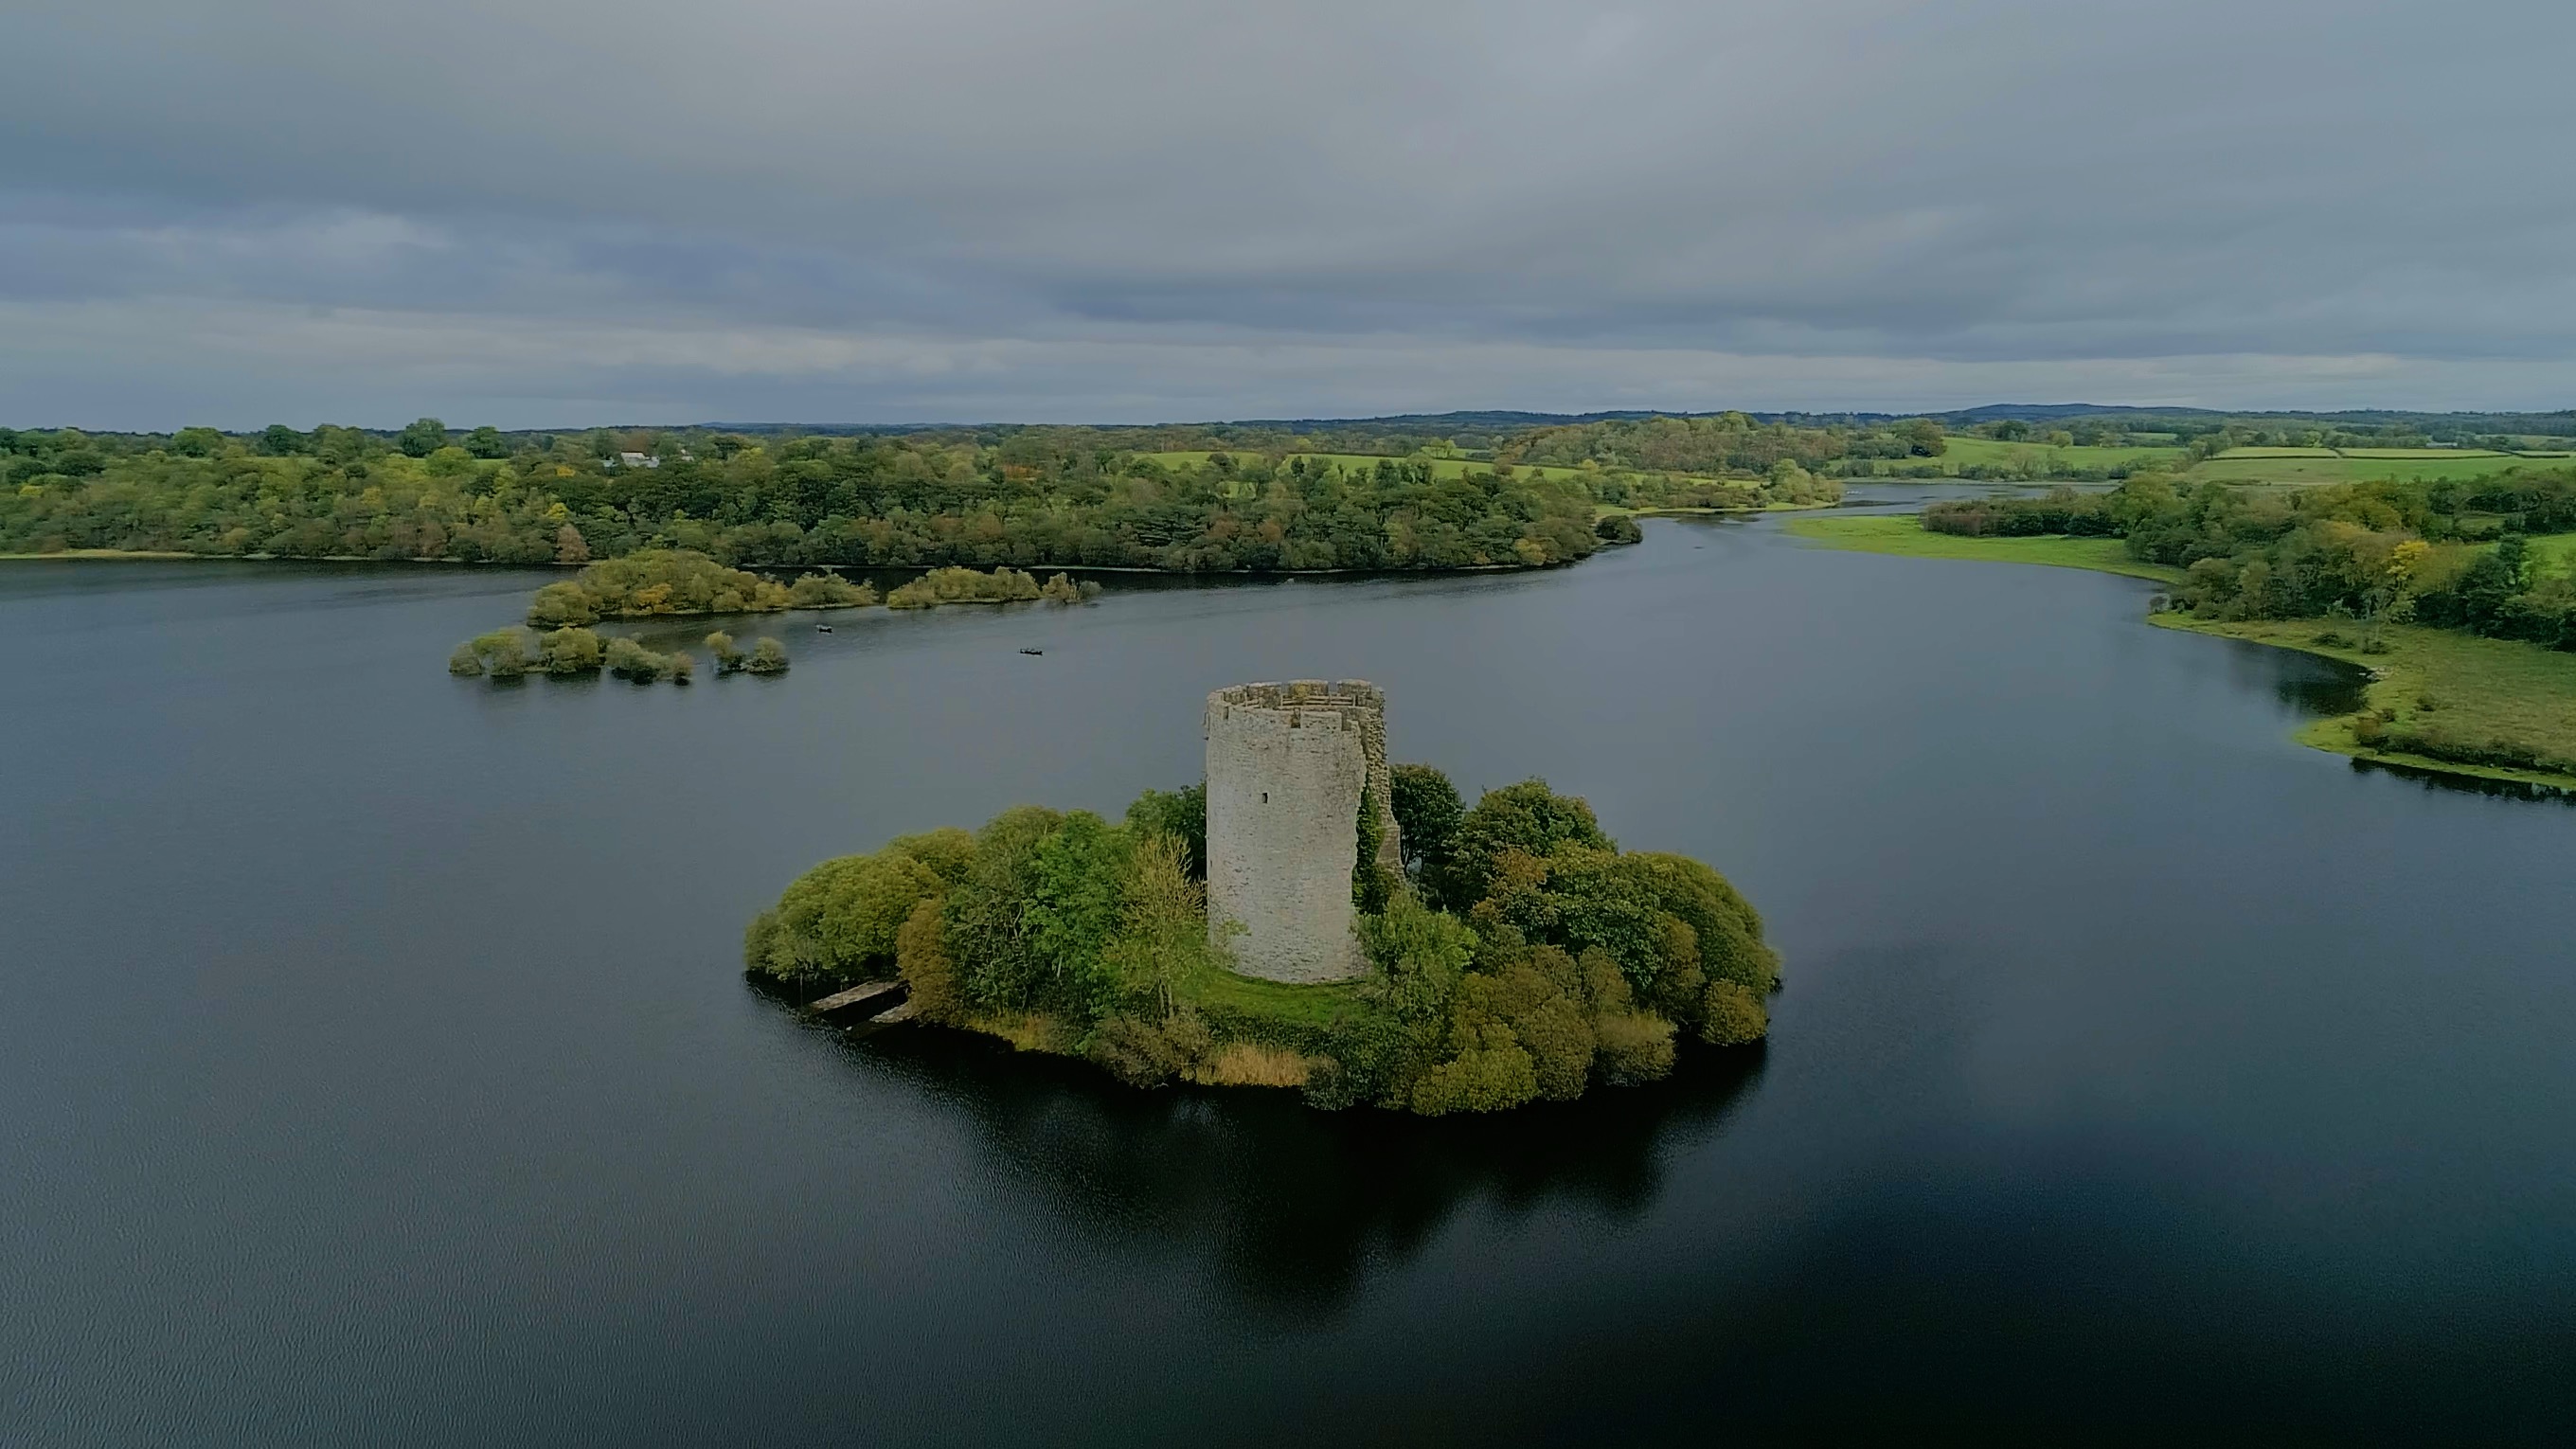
<point>1033,651</point>
<point>822,628</point>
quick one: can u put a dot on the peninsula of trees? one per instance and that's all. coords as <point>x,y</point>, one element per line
<point>1521,956</point>
<point>2458,594</point>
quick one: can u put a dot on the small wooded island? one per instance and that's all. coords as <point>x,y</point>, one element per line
<point>668,583</point>
<point>1308,916</point>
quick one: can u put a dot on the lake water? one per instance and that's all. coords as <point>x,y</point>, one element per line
<point>377,1066</point>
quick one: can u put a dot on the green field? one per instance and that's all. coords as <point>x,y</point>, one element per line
<point>1903,534</point>
<point>2362,465</point>
<point>2553,553</point>
<point>1990,452</point>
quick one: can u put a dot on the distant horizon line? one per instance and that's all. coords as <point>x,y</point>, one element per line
<point>1492,417</point>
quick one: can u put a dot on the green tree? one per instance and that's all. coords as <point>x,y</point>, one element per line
<point>1528,818</point>
<point>486,442</point>
<point>728,657</point>
<point>1428,813</point>
<point>1161,952</point>
<point>629,660</point>
<point>842,918</point>
<point>1546,1020</point>
<point>559,606</point>
<point>986,924</point>
<point>948,851</point>
<point>929,973</point>
<point>1633,1047</point>
<point>1371,881</point>
<point>768,656</point>
<point>829,591</point>
<point>1491,1071</point>
<point>570,651</point>
<point>504,653</point>
<point>1074,903</point>
<point>1181,814</point>
<point>1733,1016</point>
<point>422,438</point>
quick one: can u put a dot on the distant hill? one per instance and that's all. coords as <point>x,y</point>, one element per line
<point>1490,421</point>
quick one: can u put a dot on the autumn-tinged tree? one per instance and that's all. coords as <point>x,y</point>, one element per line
<point>1161,949</point>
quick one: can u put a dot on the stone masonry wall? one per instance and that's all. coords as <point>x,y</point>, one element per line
<point>1286,765</point>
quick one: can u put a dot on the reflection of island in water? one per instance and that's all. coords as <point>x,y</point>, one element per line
<point>1294,1206</point>
<point>2446,782</point>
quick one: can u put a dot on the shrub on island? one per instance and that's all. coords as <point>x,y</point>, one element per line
<point>965,586</point>
<point>566,653</point>
<point>1061,589</point>
<point>1523,957</point>
<point>503,654</point>
<point>630,660</point>
<point>570,651</point>
<point>662,581</point>
<point>768,656</point>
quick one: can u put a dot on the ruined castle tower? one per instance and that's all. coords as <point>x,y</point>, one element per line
<point>1287,767</point>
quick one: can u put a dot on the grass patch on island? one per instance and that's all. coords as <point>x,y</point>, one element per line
<point>1310,1005</point>
<point>1903,534</point>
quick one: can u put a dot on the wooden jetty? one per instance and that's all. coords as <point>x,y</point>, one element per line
<point>863,1000</point>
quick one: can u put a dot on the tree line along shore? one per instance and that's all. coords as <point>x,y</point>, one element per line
<point>1451,491</point>
<point>2458,596</point>
<point>1518,956</point>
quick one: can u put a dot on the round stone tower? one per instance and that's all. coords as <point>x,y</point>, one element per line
<point>1287,767</point>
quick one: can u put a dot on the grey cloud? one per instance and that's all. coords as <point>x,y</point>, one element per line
<point>1938,194</point>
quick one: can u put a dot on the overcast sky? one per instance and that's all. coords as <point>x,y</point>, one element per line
<point>569,212</point>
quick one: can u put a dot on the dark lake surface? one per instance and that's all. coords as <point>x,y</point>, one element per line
<point>375,1064</point>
